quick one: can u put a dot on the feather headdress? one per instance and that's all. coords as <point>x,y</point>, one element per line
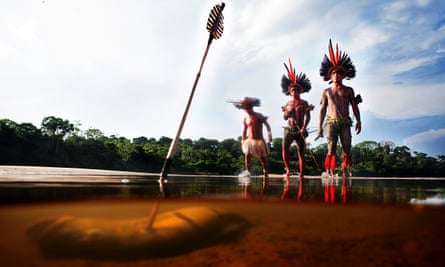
<point>299,80</point>
<point>247,102</point>
<point>338,60</point>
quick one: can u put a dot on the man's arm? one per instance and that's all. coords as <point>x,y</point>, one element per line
<point>324,105</point>
<point>307,116</point>
<point>356,111</point>
<point>285,111</point>
<point>269,133</point>
<point>244,133</point>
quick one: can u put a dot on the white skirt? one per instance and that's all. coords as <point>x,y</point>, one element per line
<point>255,147</point>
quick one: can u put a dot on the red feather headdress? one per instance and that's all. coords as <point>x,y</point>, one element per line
<point>300,80</point>
<point>337,60</point>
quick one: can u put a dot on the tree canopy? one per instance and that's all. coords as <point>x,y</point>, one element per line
<point>60,143</point>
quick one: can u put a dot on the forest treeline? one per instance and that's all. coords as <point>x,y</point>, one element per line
<point>60,143</point>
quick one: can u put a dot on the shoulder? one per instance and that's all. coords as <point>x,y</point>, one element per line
<point>258,115</point>
<point>348,88</point>
<point>326,92</point>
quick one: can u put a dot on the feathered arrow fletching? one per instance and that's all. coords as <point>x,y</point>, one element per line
<point>215,22</point>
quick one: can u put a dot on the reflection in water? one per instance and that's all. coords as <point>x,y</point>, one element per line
<point>290,180</point>
<point>244,180</point>
<point>312,188</point>
<point>288,183</point>
<point>330,183</point>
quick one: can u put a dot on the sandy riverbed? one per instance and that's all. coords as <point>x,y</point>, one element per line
<point>282,233</point>
<point>285,233</point>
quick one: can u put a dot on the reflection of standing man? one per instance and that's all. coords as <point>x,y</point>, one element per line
<point>297,113</point>
<point>335,102</point>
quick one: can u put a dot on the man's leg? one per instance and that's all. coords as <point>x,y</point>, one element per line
<point>247,159</point>
<point>264,165</point>
<point>331,160</point>
<point>345,139</point>
<point>302,163</point>
<point>287,140</point>
<point>301,159</point>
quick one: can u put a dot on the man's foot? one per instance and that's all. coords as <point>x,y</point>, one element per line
<point>244,174</point>
<point>345,174</point>
<point>288,173</point>
<point>331,174</point>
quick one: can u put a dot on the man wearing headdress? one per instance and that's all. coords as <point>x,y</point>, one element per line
<point>253,143</point>
<point>335,103</point>
<point>297,113</point>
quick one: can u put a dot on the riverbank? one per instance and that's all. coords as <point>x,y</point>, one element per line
<point>15,172</point>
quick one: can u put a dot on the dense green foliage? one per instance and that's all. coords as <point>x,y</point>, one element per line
<point>60,143</point>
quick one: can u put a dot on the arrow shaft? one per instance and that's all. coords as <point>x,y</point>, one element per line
<point>174,143</point>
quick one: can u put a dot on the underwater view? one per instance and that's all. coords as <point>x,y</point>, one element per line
<point>76,217</point>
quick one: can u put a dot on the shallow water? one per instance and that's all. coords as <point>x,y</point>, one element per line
<point>377,190</point>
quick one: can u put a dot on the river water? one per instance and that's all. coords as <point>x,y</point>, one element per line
<point>367,221</point>
<point>50,186</point>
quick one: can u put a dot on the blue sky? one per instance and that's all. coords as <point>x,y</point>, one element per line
<point>127,67</point>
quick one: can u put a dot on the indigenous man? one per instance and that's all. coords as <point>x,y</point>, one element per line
<point>297,113</point>
<point>335,102</point>
<point>253,143</point>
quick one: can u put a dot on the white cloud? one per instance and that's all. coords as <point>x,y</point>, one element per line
<point>127,67</point>
<point>423,3</point>
<point>27,31</point>
<point>428,136</point>
<point>402,101</point>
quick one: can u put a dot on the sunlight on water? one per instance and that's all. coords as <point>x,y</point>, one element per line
<point>434,200</point>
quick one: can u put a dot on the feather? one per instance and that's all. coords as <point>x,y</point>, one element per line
<point>300,79</point>
<point>331,53</point>
<point>285,82</point>
<point>292,72</point>
<point>215,24</point>
<point>337,57</point>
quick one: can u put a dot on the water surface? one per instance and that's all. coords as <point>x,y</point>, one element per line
<point>36,185</point>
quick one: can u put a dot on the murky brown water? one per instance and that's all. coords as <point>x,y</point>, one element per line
<point>366,222</point>
<point>282,233</point>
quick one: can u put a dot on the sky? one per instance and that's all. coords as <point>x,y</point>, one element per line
<point>127,67</point>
